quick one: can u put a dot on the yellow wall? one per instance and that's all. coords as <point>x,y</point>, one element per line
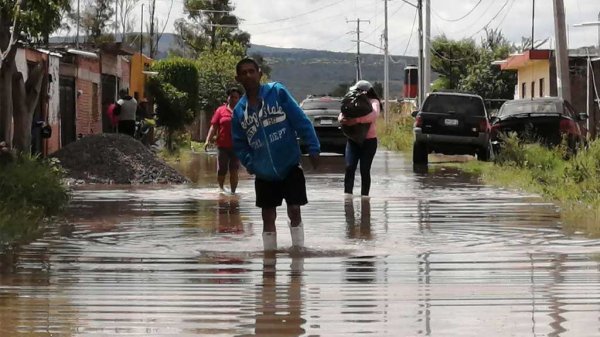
<point>533,72</point>
<point>137,81</point>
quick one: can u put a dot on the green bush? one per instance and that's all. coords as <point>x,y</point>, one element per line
<point>29,190</point>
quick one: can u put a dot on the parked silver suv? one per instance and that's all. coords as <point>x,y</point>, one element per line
<point>451,123</point>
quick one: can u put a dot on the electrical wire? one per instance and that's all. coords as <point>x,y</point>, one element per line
<point>462,17</point>
<point>492,19</point>
<point>468,27</point>
<point>506,14</point>
<point>412,30</point>
<point>294,16</point>
<point>379,26</point>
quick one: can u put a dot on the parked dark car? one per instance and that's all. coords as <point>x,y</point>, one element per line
<point>546,121</point>
<point>451,123</point>
<point>323,112</point>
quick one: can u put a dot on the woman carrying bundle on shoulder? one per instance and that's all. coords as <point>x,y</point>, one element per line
<point>360,109</point>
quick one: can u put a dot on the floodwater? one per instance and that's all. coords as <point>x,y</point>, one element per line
<point>433,254</point>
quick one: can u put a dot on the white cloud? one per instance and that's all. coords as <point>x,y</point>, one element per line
<point>323,24</point>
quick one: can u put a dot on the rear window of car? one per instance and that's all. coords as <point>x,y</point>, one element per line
<point>515,108</point>
<point>322,104</point>
<point>462,105</point>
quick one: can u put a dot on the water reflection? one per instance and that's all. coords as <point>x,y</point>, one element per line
<point>428,255</point>
<point>229,219</point>
<point>279,305</point>
<point>358,229</point>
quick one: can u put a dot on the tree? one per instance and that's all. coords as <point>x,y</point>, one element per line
<point>464,66</point>
<point>95,19</point>
<point>175,90</point>
<point>488,80</point>
<point>33,21</point>
<point>208,25</point>
<point>451,59</point>
<point>217,74</point>
<point>124,20</point>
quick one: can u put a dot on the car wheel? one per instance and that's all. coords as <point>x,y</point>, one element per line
<point>420,154</point>
<point>486,153</point>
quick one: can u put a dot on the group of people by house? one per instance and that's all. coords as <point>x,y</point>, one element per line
<point>124,113</point>
<point>259,129</point>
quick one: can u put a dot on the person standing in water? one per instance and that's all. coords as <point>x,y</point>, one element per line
<point>265,125</point>
<point>220,125</point>
<point>364,152</point>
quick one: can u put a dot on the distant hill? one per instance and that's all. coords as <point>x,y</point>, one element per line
<point>306,71</point>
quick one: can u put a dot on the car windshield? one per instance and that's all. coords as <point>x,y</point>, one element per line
<point>322,104</point>
<point>462,105</point>
<point>515,108</point>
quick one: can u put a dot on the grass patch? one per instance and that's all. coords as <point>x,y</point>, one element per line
<point>30,189</point>
<point>184,146</point>
<point>573,183</point>
<point>396,135</point>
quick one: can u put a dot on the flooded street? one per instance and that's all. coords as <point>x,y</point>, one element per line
<point>433,254</point>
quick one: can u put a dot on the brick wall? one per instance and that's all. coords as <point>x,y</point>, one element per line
<point>89,119</point>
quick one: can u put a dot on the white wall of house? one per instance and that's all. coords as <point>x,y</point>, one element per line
<point>534,75</point>
<point>21,61</point>
<point>54,90</point>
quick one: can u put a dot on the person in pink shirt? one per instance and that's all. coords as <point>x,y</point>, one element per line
<point>220,125</point>
<point>361,152</point>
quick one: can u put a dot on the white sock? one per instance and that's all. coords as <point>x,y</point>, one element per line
<point>269,241</point>
<point>297,236</point>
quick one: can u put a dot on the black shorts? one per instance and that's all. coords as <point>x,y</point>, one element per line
<point>270,194</point>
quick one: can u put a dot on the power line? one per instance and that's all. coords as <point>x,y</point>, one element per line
<point>492,19</point>
<point>412,29</point>
<point>294,16</point>
<point>462,17</point>
<point>379,26</point>
<point>468,27</point>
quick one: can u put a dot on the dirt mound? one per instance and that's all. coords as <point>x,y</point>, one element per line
<point>116,159</point>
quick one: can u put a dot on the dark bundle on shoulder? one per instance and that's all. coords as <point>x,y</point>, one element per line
<point>356,104</point>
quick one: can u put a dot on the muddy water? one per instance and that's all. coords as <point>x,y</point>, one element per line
<point>428,255</point>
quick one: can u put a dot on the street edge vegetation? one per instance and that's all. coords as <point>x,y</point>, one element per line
<point>573,183</point>
<point>31,190</point>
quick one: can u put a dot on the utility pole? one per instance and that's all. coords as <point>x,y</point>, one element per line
<point>116,20</point>
<point>533,26</point>
<point>563,79</point>
<point>152,11</point>
<point>142,32</point>
<point>386,68</point>
<point>421,90</point>
<point>427,51</point>
<point>78,20</point>
<point>358,72</point>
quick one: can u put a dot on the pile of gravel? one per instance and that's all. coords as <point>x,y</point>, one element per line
<point>115,159</point>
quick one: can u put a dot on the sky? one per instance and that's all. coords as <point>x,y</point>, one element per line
<point>331,24</point>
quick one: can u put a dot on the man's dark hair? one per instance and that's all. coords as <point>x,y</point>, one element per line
<point>234,89</point>
<point>246,60</point>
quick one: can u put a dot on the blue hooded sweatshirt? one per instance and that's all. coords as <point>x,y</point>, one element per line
<point>265,139</point>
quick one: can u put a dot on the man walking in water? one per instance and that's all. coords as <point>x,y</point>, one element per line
<point>220,125</point>
<point>265,124</point>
